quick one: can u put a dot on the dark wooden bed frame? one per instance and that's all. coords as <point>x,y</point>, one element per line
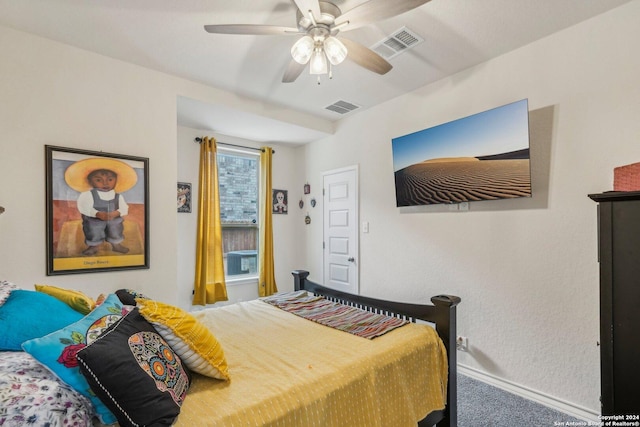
<point>442,313</point>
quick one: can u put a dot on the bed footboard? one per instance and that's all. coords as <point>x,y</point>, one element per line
<point>442,313</point>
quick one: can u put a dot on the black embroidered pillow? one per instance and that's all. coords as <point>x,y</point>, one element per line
<point>135,373</point>
<point>128,296</point>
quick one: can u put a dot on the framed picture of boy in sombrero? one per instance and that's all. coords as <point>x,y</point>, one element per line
<point>97,211</point>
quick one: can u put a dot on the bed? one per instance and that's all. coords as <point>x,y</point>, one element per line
<point>281,369</point>
<point>442,315</point>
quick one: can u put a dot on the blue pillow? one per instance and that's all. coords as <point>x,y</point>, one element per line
<point>29,314</point>
<point>57,351</point>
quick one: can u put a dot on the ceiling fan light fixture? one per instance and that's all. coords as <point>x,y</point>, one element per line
<point>335,50</point>
<point>318,64</point>
<point>317,28</point>
<point>302,50</point>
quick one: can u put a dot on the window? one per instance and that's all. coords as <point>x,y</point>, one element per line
<point>238,181</point>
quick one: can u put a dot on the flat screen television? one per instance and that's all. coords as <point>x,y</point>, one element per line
<point>484,156</point>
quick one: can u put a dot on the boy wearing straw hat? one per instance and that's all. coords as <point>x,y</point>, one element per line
<point>100,182</point>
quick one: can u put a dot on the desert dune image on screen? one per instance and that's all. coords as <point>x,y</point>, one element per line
<point>480,157</point>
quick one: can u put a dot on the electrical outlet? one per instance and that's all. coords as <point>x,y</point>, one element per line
<point>462,343</point>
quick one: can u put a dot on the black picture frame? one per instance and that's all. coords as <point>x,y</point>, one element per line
<point>82,243</point>
<point>280,201</point>
<point>184,197</point>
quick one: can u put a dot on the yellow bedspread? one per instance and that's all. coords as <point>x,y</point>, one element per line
<point>288,371</point>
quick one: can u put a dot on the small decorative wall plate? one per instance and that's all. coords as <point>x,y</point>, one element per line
<point>313,203</point>
<point>301,203</point>
<point>307,219</point>
<point>307,189</point>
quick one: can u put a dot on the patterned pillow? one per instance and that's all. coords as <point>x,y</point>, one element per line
<point>31,395</point>
<point>135,373</point>
<point>57,351</point>
<point>189,338</point>
<point>5,290</point>
<point>29,314</point>
<point>74,299</point>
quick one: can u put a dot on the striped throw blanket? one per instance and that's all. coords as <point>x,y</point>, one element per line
<point>353,320</point>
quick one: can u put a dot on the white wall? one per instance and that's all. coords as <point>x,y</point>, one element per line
<point>527,269</point>
<point>53,94</point>
<point>59,95</point>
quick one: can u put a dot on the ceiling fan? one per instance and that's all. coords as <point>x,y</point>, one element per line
<point>319,22</point>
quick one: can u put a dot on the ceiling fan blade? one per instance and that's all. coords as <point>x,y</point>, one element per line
<point>293,71</point>
<point>376,10</point>
<point>365,57</point>
<point>309,5</point>
<point>249,29</point>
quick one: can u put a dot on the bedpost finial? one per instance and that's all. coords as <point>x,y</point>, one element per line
<point>299,276</point>
<point>300,273</point>
<point>449,300</point>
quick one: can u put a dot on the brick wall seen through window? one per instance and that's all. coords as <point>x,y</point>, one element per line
<point>238,180</point>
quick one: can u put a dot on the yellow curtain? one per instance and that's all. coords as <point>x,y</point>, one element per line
<point>209,285</point>
<point>266,275</point>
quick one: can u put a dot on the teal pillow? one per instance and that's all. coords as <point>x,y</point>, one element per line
<point>57,351</point>
<point>29,314</point>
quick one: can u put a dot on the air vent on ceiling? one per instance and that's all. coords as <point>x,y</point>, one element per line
<point>398,42</point>
<point>342,107</point>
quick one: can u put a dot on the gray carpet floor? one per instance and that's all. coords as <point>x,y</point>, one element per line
<point>482,405</point>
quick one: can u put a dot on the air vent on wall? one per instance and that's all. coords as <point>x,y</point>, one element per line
<point>342,107</point>
<point>398,42</point>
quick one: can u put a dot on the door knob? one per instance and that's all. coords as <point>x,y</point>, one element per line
<point>351,259</point>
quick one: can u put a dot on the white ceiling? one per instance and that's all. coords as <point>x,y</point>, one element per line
<point>168,35</point>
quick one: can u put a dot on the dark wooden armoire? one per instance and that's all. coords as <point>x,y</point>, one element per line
<point>619,257</point>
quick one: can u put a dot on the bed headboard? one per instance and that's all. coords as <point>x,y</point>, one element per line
<point>442,313</point>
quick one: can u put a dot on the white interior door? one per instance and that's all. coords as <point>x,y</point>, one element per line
<point>340,229</point>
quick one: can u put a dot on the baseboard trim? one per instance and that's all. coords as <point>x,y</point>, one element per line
<point>527,393</point>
